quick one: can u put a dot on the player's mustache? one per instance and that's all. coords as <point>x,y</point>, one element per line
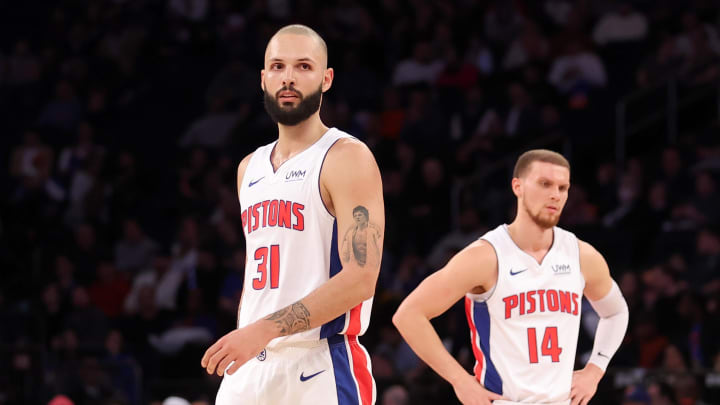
<point>292,89</point>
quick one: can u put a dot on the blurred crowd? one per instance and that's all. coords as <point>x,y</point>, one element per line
<point>121,244</point>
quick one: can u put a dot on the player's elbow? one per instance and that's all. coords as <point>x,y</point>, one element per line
<point>366,285</point>
<point>402,316</point>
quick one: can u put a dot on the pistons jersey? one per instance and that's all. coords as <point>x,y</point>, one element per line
<point>291,239</point>
<point>524,331</point>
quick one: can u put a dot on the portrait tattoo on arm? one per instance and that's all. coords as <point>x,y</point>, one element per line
<point>362,239</point>
<point>291,319</point>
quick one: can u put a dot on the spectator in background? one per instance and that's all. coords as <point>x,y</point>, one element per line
<point>395,395</point>
<point>422,67</point>
<point>214,129</point>
<point>479,55</point>
<point>660,66</point>
<point>23,67</point>
<point>530,46</point>
<point>109,290</point>
<point>577,68</point>
<point>64,112</point>
<point>232,286</point>
<point>31,164</point>
<point>135,250</point>
<point>623,24</point>
<point>86,253</point>
<point>86,320</point>
<point>76,157</point>
<point>467,230</point>
<point>502,22</point>
<point>164,281</point>
<point>705,271</point>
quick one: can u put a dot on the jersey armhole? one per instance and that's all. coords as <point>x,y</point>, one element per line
<point>484,297</point>
<point>319,189</point>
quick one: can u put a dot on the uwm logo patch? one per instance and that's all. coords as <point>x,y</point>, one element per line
<point>295,175</point>
<point>561,269</point>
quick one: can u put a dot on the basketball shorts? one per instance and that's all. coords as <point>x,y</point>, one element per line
<point>502,402</point>
<point>333,371</point>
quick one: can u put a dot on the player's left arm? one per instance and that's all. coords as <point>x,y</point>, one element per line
<point>350,179</point>
<point>607,300</point>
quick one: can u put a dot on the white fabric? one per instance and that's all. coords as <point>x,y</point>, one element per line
<point>614,316</point>
<point>543,299</point>
<point>274,376</point>
<point>300,247</point>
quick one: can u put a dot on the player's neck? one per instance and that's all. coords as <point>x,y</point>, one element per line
<point>296,138</point>
<point>530,236</point>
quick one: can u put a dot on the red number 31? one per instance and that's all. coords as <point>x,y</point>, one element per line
<point>260,281</point>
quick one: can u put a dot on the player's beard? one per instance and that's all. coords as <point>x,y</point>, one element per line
<point>289,115</point>
<point>543,221</point>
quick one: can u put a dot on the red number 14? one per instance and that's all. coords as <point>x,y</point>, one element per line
<point>549,346</point>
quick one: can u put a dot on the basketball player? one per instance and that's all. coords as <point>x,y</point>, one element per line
<point>523,285</point>
<point>304,305</point>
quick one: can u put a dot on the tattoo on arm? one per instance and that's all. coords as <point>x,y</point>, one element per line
<point>364,237</point>
<point>291,319</point>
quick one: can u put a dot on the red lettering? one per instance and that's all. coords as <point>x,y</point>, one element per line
<point>541,293</point>
<point>256,216</point>
<point>531,301</point>
<point>244,219</point>
<point>510,303</point>
<point>284,218</point>
<point>522,303</point>
<point>575,306</point>
<point>272,213</point>
<point>297,211</point>
<point>564,301</point>
<point>552,300</point>
<point>265,212</point>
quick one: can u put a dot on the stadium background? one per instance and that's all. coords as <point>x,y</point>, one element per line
<point>122,122</point>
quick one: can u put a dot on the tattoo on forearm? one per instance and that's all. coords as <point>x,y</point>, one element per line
<point>292,319</point>
<point>363,237</point>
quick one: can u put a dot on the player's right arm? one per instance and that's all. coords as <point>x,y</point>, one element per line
<point>473,268</point>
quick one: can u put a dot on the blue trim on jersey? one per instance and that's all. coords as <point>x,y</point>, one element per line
<point>336,325</point>
<point>320,174</point>
<point>344,382</point>
<point>492,382</point>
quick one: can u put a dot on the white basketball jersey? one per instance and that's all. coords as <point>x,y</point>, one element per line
<point>291,239</point>
<point>524,331</point>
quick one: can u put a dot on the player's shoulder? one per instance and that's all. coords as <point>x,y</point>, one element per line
<point>479,253</point>
<point>592,262</point>
<point>349,153</point>
<point>587,251</point>
<point>244,164</point>
<point>349,146</point>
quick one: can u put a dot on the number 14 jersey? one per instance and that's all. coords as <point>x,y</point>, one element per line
<point>524,331</point>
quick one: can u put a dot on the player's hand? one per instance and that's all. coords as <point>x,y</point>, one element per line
<point>584,384</point>
<point>470,392</point>
<point>238,346</point>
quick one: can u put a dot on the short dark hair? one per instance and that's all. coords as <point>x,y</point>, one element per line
<point>362,209</point>
<point>538,155</point>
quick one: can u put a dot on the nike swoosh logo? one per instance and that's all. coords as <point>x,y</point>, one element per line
<point>252,183</point>
<point>517,272</point>
<point>600,354</point>
<point>303,378</point>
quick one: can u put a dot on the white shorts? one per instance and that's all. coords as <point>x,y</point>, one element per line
<point>333,371</point>
<point>502,402</point>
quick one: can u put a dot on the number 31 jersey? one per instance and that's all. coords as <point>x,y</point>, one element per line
<point>291,239</point>
<point>524,331</point>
